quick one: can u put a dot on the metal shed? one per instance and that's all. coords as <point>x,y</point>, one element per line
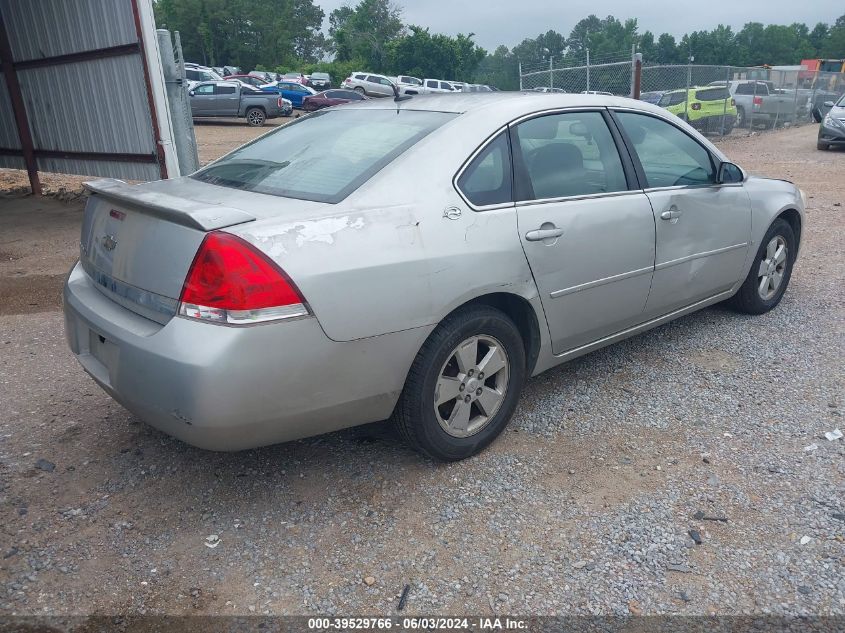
<point>82,90</point>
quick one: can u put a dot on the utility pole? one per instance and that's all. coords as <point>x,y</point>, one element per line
<point>551,72</point>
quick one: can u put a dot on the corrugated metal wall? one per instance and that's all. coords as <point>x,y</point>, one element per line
<point>92,105</point>
<point>8,132</point>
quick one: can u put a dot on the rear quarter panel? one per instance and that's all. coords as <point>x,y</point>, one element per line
<point>386,259</point>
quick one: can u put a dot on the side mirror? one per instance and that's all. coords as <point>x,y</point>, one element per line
<point>728,173</point>
<point>192,93</point>
<point>829,104</point>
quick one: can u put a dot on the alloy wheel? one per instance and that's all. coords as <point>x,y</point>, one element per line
<point>772,268</point>
<point>471,386</point>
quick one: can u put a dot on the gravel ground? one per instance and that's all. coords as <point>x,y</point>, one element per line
<point>584,506</point>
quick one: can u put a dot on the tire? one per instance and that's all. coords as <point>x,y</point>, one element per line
<point>436,430</point>
<point>817,114</point>
<point>822,146</point>
<point>360,90</point>
<point>751,299</point>
<point>255,117</point>
<point>740,117</point>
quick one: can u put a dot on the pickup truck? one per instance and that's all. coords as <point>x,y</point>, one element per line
<point>760,103</point>
<point>236,99</point>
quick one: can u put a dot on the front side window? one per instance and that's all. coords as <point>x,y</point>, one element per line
<point>568,154</point>
<point>488,178</point>
<point>206,89</point>
<point>446,86</point>
<point>325,156</point>
<point>669,156</point>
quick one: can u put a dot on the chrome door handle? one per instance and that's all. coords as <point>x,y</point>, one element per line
<point>543,234</point>
<point>672,214</point>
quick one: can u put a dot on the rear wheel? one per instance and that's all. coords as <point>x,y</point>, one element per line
<point>770,272</point>
<point>359,90</point>
<point>255,117</point>
<point>464,384</point>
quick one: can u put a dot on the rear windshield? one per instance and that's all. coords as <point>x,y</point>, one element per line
<point>325,156</point>
<point>712,94</point>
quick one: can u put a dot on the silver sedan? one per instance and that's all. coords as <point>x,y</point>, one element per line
<point>414,260</point>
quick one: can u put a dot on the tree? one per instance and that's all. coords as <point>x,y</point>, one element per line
<point>364,32</point>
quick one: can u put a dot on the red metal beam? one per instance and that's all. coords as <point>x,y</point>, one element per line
<point>150,99</point>
<point>19,109</point>
<point>70,58</point>
<point>71,155</point>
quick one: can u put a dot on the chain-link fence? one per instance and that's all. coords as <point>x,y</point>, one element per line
<point>714,99</point>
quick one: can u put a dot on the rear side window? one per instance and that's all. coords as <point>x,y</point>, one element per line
<point>431,84</point>
<point>570,154</point>
<point>712,94</point>
<point>669,156</point>
<point>360,77</point>
<point>225,90</point>
<point>323,157</point>
<point>488,178</point>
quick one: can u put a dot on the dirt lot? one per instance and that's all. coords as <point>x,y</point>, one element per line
<point>583,507</point>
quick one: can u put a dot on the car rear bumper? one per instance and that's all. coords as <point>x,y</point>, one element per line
<point>232,388</point>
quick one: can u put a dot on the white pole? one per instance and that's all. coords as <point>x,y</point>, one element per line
<point>588,70</point>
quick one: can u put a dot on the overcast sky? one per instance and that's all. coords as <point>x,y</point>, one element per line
<point>508,22</point>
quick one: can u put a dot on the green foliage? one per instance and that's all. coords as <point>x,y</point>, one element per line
<point>370,35</point>
<point>365,31</point>
<point>422,54</point>
<point>244,33</point>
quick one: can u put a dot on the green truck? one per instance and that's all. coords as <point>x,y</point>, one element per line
<point>709,109</point>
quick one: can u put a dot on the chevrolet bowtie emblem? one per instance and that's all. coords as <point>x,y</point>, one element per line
<point>109,242</point>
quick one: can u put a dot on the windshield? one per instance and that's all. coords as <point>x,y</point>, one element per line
<point>841,102</point>
<point>325,156</point>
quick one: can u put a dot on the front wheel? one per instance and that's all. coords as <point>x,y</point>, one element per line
<point>464,384</point>
<point>770,272</point>
<point>255,117</point>
<point>740,118</point>
<point>822,146</point>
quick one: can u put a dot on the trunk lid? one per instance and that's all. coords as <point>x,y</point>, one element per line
<point>138,243</point>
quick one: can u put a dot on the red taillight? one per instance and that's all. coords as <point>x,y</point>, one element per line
<point>230,281</point>
<point>758,101</point>
<point>696,106</point>
<point>279,102</point>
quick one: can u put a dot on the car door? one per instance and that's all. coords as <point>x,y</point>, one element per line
<point>703,228</point>
<point>202,100</point>
<point>227,100</point>
<point>586,227</point>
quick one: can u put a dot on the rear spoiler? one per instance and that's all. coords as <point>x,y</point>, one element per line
<point>196,215</point>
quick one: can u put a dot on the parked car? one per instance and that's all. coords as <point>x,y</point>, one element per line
<point>408,85</point>
<point>195,73</point>
<point>251,80</point>
<point>434,86</point>
<point>235,99</point>
<point>369,84</point>
<point>265,76</point>
<point>597,92</point>
<point>320,81</point>
<point>759,103</point>
<point>482,88</point>
<point>293,91</point>
<point>329,98</point>
<point>652,97</point>
<point>294,77</point>
<point>547,89</point>
<point>832,127</point>
<point>709,109</point>
<point>419,264</point>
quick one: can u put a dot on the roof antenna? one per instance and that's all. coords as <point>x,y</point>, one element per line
<point>399,97</point>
